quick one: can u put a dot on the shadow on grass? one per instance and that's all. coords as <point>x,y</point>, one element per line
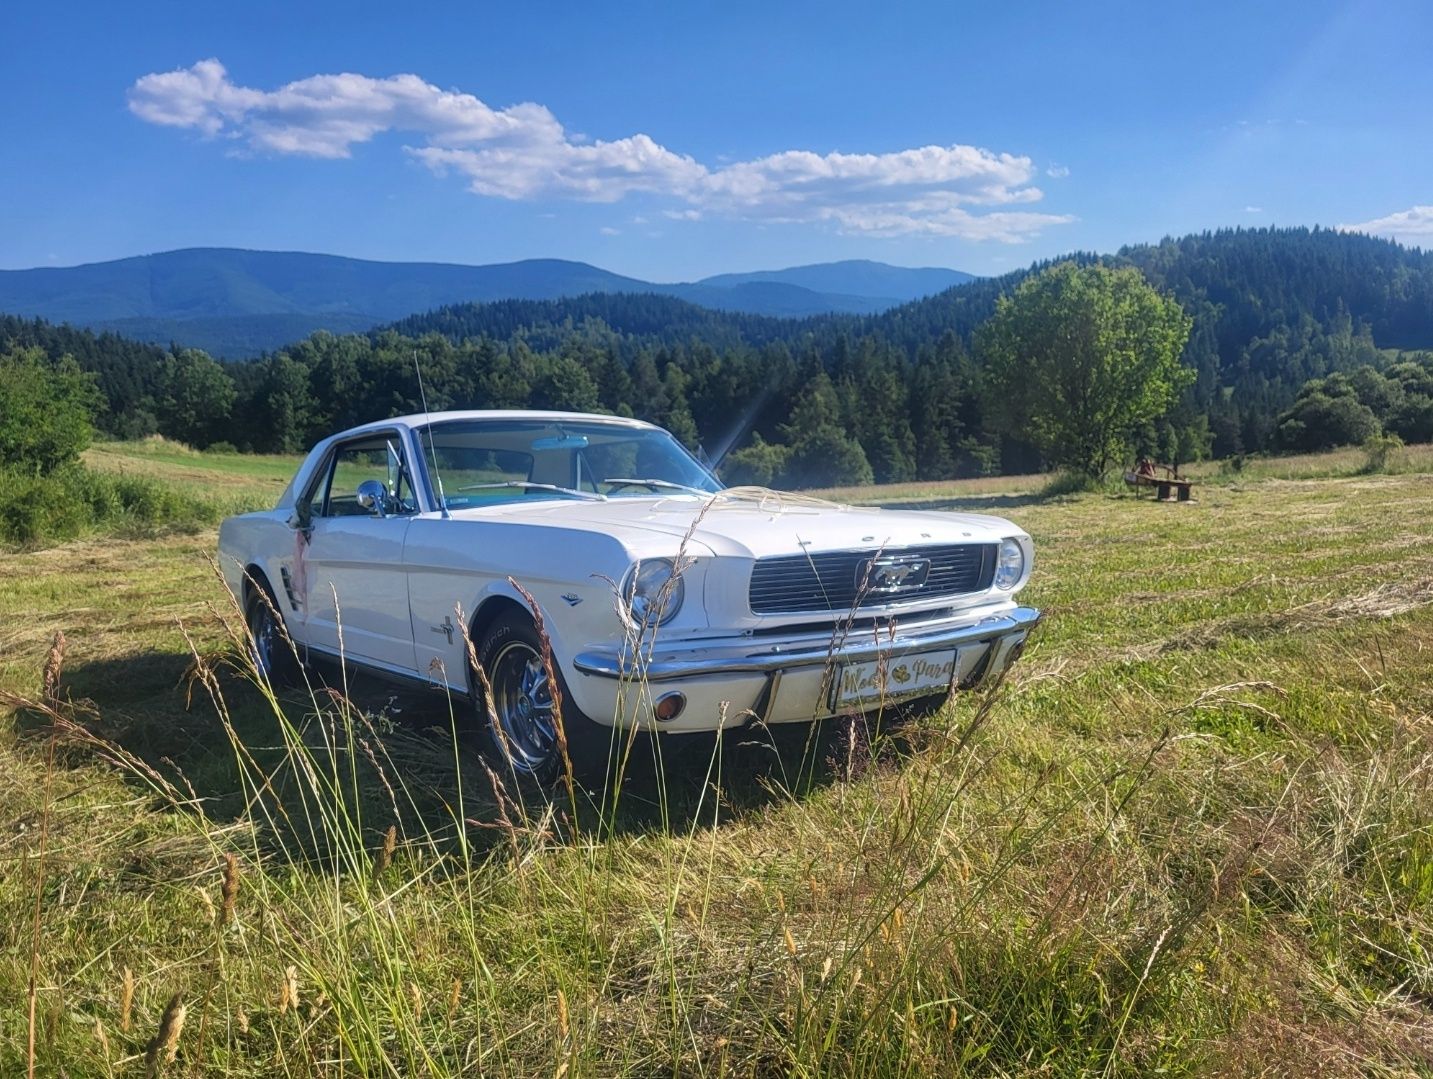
<point>406,756</point>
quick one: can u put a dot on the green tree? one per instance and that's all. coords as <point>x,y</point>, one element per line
<point>821,453</point>
<point>46,411</point>
<point>562,384</point>
<point>197,397</point>
<point>1328,413</point>
<point>1079,357</point>
<point>287,405</point>
<point>759,464</point>
<point>678,419</point>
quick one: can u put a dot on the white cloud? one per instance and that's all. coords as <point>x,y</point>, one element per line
<point>608,230</point>
<point>1253,209</point>
<point>324,115</point>
<point>1057,172</point>
<point>1413,226</point>
<point>1005,227</point>
<point>523,152</point>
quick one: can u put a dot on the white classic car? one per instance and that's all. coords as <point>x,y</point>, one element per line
<point>668,602</point>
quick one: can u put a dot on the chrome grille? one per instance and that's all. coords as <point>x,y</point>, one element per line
<point>834,580</point>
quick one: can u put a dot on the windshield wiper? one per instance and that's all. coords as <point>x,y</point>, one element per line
<point>627,481</point>
<point>527,485</point>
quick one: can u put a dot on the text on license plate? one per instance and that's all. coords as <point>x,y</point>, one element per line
<point>888,678</point>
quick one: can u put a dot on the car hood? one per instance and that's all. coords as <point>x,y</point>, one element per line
<point>753,524</point>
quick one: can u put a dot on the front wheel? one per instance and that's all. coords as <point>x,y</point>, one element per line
<point>521,728</point>
<point>270,649</point>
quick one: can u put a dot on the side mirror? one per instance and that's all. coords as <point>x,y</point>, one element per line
<point>373,496</point>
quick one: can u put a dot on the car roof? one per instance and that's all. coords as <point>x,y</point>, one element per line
<point>422,419</point>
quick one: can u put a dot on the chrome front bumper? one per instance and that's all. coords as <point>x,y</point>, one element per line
<point>855,647</point>
<point>992,641</point>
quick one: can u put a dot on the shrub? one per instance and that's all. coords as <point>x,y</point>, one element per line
<point>760,464</point>
<point>1379,449</point>
<point>45,411</point>
<point>1327,414</point>
<point>1069,482</point>
<point>72,501</point>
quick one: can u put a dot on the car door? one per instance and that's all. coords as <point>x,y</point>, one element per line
<point>355,584</point>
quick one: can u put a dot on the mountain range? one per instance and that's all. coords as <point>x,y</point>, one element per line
<point>1272,310</point>
<point>238,303</point>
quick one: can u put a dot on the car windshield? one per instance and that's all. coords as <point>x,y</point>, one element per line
<point>489,462</point>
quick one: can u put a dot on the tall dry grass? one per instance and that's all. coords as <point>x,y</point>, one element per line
<point>1134,868</point>
<point>939,917</point>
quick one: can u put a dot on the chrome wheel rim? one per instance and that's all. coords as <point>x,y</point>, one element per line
<point>522,704</point>
<point>265,639</point>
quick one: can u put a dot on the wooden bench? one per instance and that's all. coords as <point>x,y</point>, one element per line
<point>1167,488</point>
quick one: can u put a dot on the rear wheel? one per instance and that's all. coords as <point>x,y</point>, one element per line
<point>270,648</point>
<point>521,729</point>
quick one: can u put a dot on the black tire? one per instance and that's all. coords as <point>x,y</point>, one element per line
<point>271,650</point>
<point>519,725</point>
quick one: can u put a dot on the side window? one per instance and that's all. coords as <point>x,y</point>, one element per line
<point>379,459</point>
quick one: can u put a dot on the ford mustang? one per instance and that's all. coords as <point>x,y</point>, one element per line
<point>602,578</point>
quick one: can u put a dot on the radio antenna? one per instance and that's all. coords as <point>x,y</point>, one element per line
<point>428,426</point>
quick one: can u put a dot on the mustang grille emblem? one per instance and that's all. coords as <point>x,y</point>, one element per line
<point>892,574</point>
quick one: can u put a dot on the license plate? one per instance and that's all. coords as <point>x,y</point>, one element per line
<point>890,679</point>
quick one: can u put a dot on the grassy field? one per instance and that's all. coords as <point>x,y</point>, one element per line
<point>251,478</point>
<point>1193,834</point>
<point>133,490</point>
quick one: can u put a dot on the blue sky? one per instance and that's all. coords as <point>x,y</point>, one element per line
<point>675,140</point>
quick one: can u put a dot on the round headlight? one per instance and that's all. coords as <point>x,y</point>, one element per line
<point>654,591</point>
<point>1011,565</point>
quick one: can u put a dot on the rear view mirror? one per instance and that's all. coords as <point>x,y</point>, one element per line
<point>560,442</point>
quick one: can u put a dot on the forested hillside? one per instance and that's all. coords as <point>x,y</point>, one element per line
<point>1272,308</point>
<point>127,373</point>
<point>834,398</point>
<point>649,318</point>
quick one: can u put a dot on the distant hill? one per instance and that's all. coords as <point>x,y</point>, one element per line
<point>645,317</point>
<point>234,337</point>
<point>237,303</point>
<point>1242,284</point>
<point>854,277</point>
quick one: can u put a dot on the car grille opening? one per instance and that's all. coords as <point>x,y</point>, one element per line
<point>847,580</point>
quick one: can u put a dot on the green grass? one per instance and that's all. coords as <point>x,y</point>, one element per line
<point>942,494</point>
<point>257,479</point>
<point>129,489</point>
<point>1193,834</point>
